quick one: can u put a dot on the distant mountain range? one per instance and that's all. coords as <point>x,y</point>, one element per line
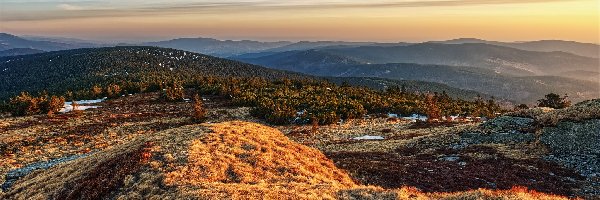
<point>519,89</point>
<point>507,73</point>
<point>19,51</point>
<point>59,71</point>
<point>501,60</point>
<point>226,48</point>
<point>8,41</point>
<point>577,48</point>
<point>517,71</point>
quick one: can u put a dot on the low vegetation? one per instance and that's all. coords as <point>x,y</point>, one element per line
<point>554,101</point>
<point>220,161</point>
<point>26,104</point>
<point>199,114</point>
<point>300,101</point>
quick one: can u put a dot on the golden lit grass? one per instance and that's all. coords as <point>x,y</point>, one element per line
<point>248,159</point>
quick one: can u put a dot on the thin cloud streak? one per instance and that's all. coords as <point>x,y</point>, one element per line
<point>72,10</point>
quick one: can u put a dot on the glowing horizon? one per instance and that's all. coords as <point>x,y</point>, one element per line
<point>269,20</point>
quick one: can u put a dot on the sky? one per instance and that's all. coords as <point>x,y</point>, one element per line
<point>272,20</point>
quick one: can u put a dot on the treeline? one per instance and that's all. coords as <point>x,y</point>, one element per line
<point>277,96</point>
<point>286,101</point>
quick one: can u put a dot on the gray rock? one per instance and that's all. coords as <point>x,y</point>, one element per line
<point>575,145</point>
<point>509,124</point>
<point>450,158</point>
<point>12,176</point>
<point>512,137</point>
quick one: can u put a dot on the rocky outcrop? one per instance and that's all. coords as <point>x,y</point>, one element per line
<point>570,135</point>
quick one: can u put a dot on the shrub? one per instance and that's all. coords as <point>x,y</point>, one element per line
<point>554,101</point>
<point>113,90</point>
<point>53,105</point>
<point>76,112</point>
<point>174,92</point>
<point>26,104</point>
<point>521,107</point>
<point>433,112</point>
<point>199,114</point>
<point>315,125</point>
<point>96,91</point>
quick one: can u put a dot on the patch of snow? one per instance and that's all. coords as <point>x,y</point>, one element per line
<point>68,107</point>
<point>452,118</point>
<point>390,115</point>
<point>416,117</point>
<point>369,137</point>
<point>82,102</point>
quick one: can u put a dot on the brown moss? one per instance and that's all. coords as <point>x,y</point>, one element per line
<point>486,169</point>
<point>105,177</point>
<point>94,177</point>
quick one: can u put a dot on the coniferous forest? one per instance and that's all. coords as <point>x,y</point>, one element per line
<point>279,97</point>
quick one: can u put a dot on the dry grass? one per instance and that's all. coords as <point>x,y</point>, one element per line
<point>251,159</point>
<point>231,160</point>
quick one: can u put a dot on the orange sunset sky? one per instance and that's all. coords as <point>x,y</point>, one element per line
<point>351,20</point>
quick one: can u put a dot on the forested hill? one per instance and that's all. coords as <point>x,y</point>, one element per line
<point>82,68</point>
